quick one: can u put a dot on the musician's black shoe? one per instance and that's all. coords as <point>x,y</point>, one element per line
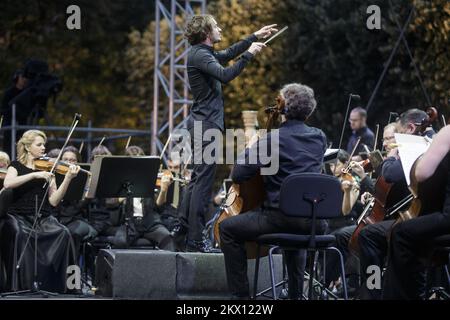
<point>201,246</point>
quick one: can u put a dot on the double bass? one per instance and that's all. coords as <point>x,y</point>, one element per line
<point>250,194</point>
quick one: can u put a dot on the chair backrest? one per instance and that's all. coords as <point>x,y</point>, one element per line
<point>6,198</point>
<point>298,192</point>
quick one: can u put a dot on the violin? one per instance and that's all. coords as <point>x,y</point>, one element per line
<point>46,164</point>
<point>371,163</point>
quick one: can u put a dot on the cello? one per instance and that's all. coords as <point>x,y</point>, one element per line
<point>249,194</point>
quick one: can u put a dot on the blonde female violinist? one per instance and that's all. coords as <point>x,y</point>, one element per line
<point>55,250</point>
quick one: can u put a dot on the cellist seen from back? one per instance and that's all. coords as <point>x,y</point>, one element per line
<point>301,149</point>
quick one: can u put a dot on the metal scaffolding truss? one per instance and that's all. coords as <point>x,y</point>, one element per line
<point>170,86</point>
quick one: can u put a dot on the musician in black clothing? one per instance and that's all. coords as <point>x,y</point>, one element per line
<point>357,119</point>
<point>145,221</point>
<point>373,238</point>
<point>344,234</point>
<point>301,149</point>
<point>54,243</point>
<point>74,214</point>
<point>206,75</point>
<point>411,241</point>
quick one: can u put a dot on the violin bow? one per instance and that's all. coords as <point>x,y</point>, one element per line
<point>101,141</point>
<point>347,165</point>
<point>128,143</point>
<point>343,129</point>
<point>376,137</point>
<point>165,147</point>
<point>75,121</point>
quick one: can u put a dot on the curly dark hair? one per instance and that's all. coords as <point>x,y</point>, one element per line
<point>198,28</point>
<point>299,101</point>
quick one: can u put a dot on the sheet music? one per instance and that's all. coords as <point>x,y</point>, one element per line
<point>330,151</point>
<point>410,148</point>
<point>330,155</point>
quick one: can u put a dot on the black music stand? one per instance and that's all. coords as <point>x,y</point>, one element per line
<point>124,177</point>
<point>77,186</point>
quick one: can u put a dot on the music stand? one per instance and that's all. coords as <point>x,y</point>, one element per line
<point>124,177</point>
<point>77,186</point>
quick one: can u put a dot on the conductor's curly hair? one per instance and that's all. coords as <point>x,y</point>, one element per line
<point>198,28</point>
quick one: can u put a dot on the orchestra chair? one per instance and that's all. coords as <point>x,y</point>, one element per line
<point>312,196</point>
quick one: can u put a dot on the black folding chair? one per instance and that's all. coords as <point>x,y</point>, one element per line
<point>305,195</point>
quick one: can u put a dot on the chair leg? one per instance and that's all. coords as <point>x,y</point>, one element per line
<point>272,273</point>
<point>447,274</point>
<point>341,260</point>
<point>255,281</point>
<point>284,266</point>
<point>311,272</point>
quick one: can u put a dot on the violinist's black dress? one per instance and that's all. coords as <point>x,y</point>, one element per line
<point>55,246</point>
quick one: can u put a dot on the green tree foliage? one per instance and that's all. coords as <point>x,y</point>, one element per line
<point>107,67</point>
<point>432,26</point>
<point>90,61</point>
<point>331,50</point>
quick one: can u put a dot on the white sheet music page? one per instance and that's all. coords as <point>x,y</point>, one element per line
<point>409,149</point>
<point>330,151</point>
